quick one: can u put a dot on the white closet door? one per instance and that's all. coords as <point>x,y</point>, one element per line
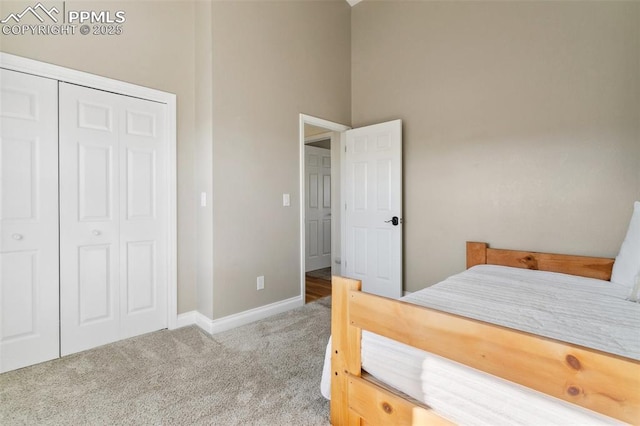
<point>29,322</point>
<point>112,218</point>
<point>143,217</point>
<point>89,209</point>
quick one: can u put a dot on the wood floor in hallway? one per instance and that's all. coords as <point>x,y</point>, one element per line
<point>316,288</point>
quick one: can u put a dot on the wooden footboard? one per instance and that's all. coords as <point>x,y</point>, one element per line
<point>602,382</point>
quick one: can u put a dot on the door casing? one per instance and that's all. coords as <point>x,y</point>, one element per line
<point>330,126</point>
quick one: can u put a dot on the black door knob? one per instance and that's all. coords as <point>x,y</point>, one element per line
<point>394,221</point>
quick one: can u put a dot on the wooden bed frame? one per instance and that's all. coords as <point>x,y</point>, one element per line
<point>602,382</point>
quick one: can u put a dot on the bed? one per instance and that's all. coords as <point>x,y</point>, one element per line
<point>597,381</point>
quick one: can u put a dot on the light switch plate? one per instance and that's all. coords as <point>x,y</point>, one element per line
<point>286,200</point>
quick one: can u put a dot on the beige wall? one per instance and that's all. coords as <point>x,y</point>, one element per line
<point>155,50</point>
<point>271,62</point>
<point>521,122</point>
<point>204,158</point>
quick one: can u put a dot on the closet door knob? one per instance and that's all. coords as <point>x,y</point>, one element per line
<point>16,237</point>
<point>95,232</point>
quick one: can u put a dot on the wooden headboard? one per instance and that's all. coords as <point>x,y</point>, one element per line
<point>584,266</point>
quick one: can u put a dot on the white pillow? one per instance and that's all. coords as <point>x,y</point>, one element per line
<point>627,264</point>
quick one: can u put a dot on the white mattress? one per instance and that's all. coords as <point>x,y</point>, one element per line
<point>583,311</point>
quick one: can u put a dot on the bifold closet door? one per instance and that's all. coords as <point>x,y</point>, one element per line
<point>29,322</point>
<point>113,217</point>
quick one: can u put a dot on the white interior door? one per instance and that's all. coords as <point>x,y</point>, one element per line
<point>29,324</point>
<point>372,247</point>
<point>89,226</point>
<point>318,208</point>
<point>113,219</point>
<point>143,217</point>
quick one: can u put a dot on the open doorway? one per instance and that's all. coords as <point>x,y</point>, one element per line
<point>320,198</point>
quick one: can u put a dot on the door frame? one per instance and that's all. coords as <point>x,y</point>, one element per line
<point>55,72</point>
<point>330,126</point>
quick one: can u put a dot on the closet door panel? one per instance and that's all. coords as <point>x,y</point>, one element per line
<point>95,302</point>
<point>89,229</point>
<point>95,181</point>
<point>143,221</point>
<point>29,324</point>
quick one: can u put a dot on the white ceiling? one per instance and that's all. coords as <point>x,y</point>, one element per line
<point>353,2</point>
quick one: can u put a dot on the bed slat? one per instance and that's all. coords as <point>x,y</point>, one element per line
<point>378,405</point>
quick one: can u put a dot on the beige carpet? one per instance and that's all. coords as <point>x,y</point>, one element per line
<point>265,373</point>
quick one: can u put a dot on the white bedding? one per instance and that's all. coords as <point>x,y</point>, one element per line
<point>583,311</point>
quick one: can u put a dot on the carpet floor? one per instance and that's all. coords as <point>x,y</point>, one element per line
<point>264,373</point>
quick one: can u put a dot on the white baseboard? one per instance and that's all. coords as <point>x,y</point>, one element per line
<point>188,318</point>
<point>406,293</point>
<point>236,320</point>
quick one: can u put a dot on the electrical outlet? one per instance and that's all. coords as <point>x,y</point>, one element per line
<point>261,282</point>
